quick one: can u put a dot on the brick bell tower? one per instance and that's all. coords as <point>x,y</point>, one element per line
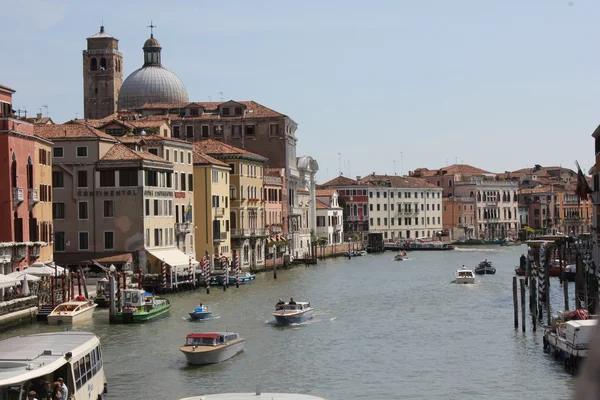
<point>102,75</point>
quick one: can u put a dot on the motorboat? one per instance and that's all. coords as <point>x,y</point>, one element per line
<point>255,396</point>
<point>569,273</point>
<point>400,256</point>
<point>200,312</point>
<point>140,306</point>
<point>294,313</point>
<point>102,293</point>
<point>464,275</point>
<point>211,347</point>
<point>72,312</point>
<point>485,268</point>
<point>243,278</point>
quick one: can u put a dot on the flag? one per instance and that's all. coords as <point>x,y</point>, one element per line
<point>583,188</point>
<point>188,212</point>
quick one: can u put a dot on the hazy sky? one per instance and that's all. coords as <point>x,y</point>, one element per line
<point>501,84</point>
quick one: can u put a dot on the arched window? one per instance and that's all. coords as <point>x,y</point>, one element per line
<point>13,171</point>
<point>94,65</point>
<point>29,174</point>
<point>478,196</point>
<point>103,64</point>
<point>471,195</point>
<point>355,209</point>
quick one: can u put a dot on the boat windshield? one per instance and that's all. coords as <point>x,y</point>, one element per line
<point>201,342</point>
<point>464,274</point>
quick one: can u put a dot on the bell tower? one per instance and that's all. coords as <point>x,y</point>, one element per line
<point>102,75</point>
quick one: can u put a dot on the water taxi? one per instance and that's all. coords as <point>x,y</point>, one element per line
<point>485,268</point>
<point>141,306</point>
<point>464,275</point>
<point>72,312</point>
<point>211,348</point>
<point>102,293</point>
<point>200,312</point>
<point>295,313</point>
<point>26,361</point>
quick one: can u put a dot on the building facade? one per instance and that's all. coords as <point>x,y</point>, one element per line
<point>497,205</point>
<point>355,199</point>
<point>329,216</point>
<point>246,203</point>
<point>211,206</point>
<point>274,191</point>
<point>26,161</point>
<point>458,218</point>
<point>302,199</point>
<point>404,207</point>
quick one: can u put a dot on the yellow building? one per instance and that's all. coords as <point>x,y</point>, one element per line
<point>211,206</point>
<point>247,207</point>
<point>43,209</point>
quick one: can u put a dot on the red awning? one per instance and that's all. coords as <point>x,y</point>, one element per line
<point>203,336</point>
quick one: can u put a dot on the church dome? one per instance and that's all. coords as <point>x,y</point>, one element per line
<point>151,84</point>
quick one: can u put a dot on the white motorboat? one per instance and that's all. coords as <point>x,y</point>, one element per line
<point>295,313</point>
<point>464,275</point>
<point>256,396</point>
<point>72,312</point>
<point>211,348</point>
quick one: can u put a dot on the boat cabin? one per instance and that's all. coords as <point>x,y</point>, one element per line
<point>71,307</point>
<point>299,306</point>
<point>137,298</point>
<point>209,339</point>
<point>464,273</point>
<point>102,288</point>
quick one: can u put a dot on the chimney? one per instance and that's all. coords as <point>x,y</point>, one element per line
<point>373,174</point>
<point>38,116</point>
<point>357,177</point>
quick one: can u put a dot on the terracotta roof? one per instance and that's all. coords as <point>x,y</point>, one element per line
<point>205,159</point>
<point>398,181</point>
<point>537,190</point>
<point>158,138</point>
<point>453,169</point>
<point>147,123</point>
<point>321,206</point>
<point>340,181</point>
<point>126,124</point>
<point>253,110</point>
<point>302,190</point>
<point>120,152</point>
<point>70,131</point>
<point>325,192</point>
<point>215,147</point>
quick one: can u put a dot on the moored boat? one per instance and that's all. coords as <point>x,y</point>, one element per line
<point>464,275</point>
<point>141,306</point>
<point>200,312</point>
<point>102,293</point>
<point>485,268</point>
<point>211,347</point>
<point>293,312</point>
<point>72,312</point>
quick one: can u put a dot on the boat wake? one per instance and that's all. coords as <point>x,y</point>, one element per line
<point>476,250</point>
<point>200,320</point>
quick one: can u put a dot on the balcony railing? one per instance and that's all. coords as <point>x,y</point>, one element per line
<point>183,228</point>
<point>33,197</point>
<point>219,212</point>
<point>18,195</point>
<point>19,252</point>
<point>337,227</point>
<point>296,210</point>
<point>220,236</point>
<point>240,232</point>
<point>258,231</point>
<point>275,229</point>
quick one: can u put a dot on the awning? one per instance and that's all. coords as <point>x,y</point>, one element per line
<point>6,281</point>
<point>173,257</point>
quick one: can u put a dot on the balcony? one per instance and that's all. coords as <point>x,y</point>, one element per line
<point>258,231</point>
<point>19,252</point>
<point>183,228</point>
<point>34,252</point>
<point>219,236</point>
<point>240,232</point>
<point>296,210</point>
<point>491,203</point>
<point>337,227</point>
<point>33,197</point>
<point>219,212</point>
<point>275,229</point>
<point>18,195</point>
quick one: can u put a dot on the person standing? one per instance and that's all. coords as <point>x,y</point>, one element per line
<point>63,388</point>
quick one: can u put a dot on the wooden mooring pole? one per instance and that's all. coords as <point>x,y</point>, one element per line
<point>547,298</point>
<point>522,281</point>
<point>516,305</point>
<point>566,293</point>
<point>533,306</point>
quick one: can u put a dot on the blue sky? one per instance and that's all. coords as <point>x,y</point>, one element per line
<point>501,84</point>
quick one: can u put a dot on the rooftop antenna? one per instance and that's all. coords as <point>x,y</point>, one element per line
<point>25,111</point>
<point>221,93</point>
<point>151,26</point>
<point>40,108</point>
<point>76,115</point>
<point>348,169</point>
<point>401,163</point>
<point>46,107</point>
<point>340,161</point>
<point>209,98</point>
<point>395,167</point>
<point>455,160</point>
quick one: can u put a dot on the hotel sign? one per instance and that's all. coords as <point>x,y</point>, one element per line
<point>108,193</point>
<point>158,193</point>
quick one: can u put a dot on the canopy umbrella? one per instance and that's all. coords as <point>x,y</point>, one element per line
<point>25,286</point>
<point>20,275</point>
<point>6,281</point>
<point>40,269</point>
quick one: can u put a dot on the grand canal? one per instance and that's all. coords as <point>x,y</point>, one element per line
<point>382,330</point>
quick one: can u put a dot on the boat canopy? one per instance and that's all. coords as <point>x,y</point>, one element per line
<point>203,336</point>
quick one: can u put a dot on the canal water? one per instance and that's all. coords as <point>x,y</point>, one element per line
<point>382,329</point>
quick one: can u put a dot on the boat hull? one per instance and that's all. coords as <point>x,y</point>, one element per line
<point>485,271</point>
<point>282,318</point>
<point>102,301</point>
<point>139,317</point>
<point>465,280</point>
<point>200,315</point>
<point>70,319</point>
<point>218,354</point>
